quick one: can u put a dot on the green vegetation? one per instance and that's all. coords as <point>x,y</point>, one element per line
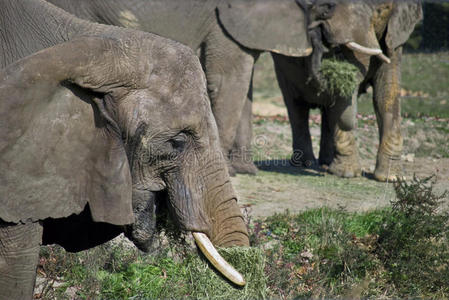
<point>340,77</point>
<point>191,278</point>
<point>265,83</point>
<point>424,86</point>
<point>401,251</point>
<point>119,272</point>
<point>424,83</point>
<point>397,252</point>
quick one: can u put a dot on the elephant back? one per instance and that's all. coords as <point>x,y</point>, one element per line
<point>186,21</point>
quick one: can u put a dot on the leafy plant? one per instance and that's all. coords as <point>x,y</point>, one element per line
<point>413,242</point>
<point>339,77</point>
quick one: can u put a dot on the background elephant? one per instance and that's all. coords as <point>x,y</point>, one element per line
<point>104,123</point>
<point>229,35</point>
<point>370,35</point>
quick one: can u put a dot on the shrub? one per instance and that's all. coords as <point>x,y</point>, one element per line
<point>413,242</point>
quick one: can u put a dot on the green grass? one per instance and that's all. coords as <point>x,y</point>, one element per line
<point>400,251</point>
<point>396,252</point>
<point>116,272</point>
<point>193,278</point>
<point>340,78</point>
<point>427,73</point>
<point>264,81</point>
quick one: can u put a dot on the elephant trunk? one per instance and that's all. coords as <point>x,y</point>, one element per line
<point>205,204</point>
<point>314,60</point>
<point>229,228</point>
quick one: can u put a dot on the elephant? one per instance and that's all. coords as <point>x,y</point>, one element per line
<point>100,127</point>
<point>368,34</point>
<point>229,36</point>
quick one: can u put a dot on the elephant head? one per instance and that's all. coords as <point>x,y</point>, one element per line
<point>111,123</point>
<point>370,28</point>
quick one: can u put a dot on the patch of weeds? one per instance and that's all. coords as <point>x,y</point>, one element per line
<point>144,278</point>
<point>119,272</point>
<point>62,273</point>
<point>316,253</point>
<point>265,83</point>
<point>192,278</point>
<point>340,77</point>
<point>426,137</point>
<point>395,252</point>
<point>414,242</point>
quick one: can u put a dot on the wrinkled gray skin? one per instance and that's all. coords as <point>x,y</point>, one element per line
<point>96,128</point>
<point>229,35</point>
<point>377,24</point>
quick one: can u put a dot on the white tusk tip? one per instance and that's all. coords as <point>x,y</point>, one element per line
<point>216,260</point>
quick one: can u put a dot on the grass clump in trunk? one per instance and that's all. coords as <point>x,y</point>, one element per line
<point>339,78</point>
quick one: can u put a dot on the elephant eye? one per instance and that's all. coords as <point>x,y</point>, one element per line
<point>179,142</point>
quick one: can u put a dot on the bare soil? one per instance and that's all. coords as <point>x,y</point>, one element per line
<point>278,186</point>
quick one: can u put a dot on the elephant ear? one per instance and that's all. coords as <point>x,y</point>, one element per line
<point>405,16</point>
<point>278,26</point>
<point>57,151</point>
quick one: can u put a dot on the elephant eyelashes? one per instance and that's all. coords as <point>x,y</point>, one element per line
<point>179,142</point>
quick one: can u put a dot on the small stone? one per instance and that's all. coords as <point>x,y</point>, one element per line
<point>307,254</point>
<point>410,157</point>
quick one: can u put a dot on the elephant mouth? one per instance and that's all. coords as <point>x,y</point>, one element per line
<point>159,210</point>
<point>329,41</point>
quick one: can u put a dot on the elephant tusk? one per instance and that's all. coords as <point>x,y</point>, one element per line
<point>216,260</point>
<point>384,58</point>
<point>369,51</point>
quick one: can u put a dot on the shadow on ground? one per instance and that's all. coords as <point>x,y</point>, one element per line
<point>283,166</point>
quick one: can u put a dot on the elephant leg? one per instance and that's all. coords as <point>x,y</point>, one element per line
<point>388,112</point>
<point>228,69</point>
<point>341,119</point>
<point>327,147</point>
<point>241,155</point>
<point>19,255</point>
<point>346,162</point>
<point>298,113</point>
<point>289,72</point>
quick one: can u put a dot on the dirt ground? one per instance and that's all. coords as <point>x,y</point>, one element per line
<point>279,186</point>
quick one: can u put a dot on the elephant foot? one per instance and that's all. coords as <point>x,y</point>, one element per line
<point>244,167</point>
<point>388,169</point>
<point>346,166</point>
<point>325,162</point>
<point>304,160</point>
